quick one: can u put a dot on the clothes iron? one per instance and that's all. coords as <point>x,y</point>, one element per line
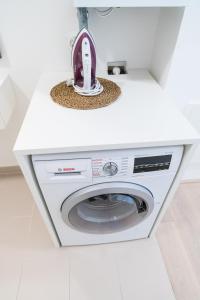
<point>84,65</point>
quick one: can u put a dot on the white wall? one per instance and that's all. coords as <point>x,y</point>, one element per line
<point>130,36</point>
<point>169,23</point>
<point>34,37</point>
<point>183,84</point>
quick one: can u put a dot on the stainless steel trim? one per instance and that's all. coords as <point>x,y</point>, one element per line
<point>107,188</point>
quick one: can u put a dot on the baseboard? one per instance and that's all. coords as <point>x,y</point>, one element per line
<point>192,173</point>
<point>190,180</point>
<point>9,171</point>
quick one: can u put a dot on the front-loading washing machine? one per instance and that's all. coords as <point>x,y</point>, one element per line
<point>105,196</point>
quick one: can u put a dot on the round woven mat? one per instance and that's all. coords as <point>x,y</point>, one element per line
<point>66,96</point>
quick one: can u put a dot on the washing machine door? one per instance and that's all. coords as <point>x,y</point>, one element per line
<point>107,207</point>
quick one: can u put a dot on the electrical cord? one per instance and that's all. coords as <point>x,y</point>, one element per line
<point>98,89</point>
<point>105,12</point>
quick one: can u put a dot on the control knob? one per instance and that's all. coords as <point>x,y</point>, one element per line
<point>110,168</point>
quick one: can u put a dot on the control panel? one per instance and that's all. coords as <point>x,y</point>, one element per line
<point>152,163</point>
<point>102,167</point>
<point>107,165</point>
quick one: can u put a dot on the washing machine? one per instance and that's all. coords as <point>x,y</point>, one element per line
<point>105,196</point>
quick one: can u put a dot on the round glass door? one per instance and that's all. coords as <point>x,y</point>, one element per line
<point>107,208</point>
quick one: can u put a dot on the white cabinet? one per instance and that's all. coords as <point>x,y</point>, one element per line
<point>143,33</point>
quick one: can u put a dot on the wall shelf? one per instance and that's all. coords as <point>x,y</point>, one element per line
<point>130,3</point>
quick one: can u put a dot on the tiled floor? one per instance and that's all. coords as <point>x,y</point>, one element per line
<point>31,268</point>
<point>179,239</point>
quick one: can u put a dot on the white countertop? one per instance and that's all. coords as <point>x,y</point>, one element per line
<point>142,117</point>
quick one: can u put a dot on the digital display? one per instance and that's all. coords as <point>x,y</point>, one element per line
<point>152,163</point>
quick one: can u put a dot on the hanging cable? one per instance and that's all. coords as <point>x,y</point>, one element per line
<point>104,12</point>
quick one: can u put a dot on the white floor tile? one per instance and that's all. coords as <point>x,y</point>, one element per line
<point>93,275</point>
<point>10,272</point>
<point>15,197</point>
<point>14,232</point>
<point>45,277</point>
<point>38,238</point>
<point>13,242</point>
<point>142,271</point>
